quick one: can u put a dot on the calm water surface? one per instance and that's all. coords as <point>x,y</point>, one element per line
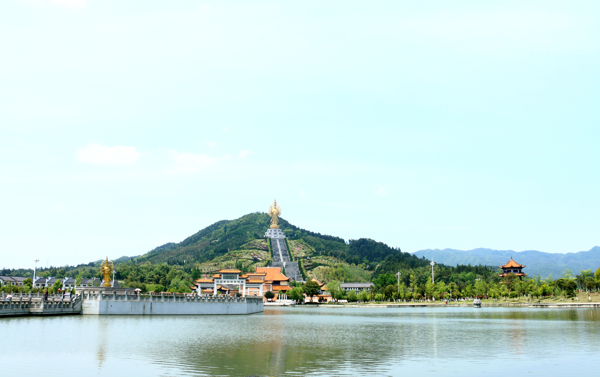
<point>309,341</point>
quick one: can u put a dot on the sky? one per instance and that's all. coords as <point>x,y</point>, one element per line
<point>430,124</point>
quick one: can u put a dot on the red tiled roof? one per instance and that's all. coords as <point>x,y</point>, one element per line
<point>281,287</point>
<point>230,271</point>
<point>273,273</point>
<point>512,264</point>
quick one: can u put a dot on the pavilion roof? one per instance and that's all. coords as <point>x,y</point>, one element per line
<point>230,271</point>
<point>512,264</point>
<point>205,281</point>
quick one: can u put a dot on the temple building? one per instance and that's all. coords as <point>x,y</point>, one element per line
<point>512,267</point>
<point>232,282</point>
<point>229,282</point>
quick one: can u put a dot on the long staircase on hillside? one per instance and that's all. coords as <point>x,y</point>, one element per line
<point>281,255</point>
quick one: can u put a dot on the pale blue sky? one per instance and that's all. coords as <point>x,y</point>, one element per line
<point>126,125</point>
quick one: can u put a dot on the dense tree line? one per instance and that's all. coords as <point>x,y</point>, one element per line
<point>466,282</point>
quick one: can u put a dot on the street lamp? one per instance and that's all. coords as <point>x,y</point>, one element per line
<point>34,268</point>
<point>432,264</point>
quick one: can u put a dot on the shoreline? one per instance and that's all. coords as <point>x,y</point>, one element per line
<point>465,305</point>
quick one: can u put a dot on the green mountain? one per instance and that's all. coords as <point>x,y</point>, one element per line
<point>536,261</point>
<point>240,243</point>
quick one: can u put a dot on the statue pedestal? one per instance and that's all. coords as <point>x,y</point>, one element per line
<point>274,233</point>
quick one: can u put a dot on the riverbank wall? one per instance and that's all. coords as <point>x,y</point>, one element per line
<point>104,303</point>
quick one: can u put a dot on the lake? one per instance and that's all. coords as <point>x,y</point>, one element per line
<point>321,341</point>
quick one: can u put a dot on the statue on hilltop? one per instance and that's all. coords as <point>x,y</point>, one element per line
<point>274,212</point>
<point>106,268</point>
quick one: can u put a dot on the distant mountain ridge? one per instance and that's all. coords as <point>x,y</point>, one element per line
<point>536,261</point>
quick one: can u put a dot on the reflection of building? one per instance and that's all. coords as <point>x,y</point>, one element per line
<point>512,267</point>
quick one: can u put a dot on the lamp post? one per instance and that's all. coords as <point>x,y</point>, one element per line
<point>34,269</point>
<point>432,279</point>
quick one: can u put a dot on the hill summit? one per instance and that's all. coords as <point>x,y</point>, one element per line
<point>240,243</point>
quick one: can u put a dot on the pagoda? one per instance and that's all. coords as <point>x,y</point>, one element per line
<point>512,267</point>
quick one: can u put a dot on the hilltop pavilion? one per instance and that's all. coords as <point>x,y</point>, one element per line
<point>513,267</point>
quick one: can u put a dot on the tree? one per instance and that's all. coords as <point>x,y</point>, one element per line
<point>544,290</point>
<point>311,288</point>
<point>389,291</point>
<point>480,288</point>
<point>269,295</point>
<point>510,279</point>
<point>155,288</point>
<point>429,289</point>
<point>597,275</point>
<point>297,294</point>
<point>333,287</point>
<point>57,285</point>
<point>28,283</point>
<point>363,296</point>
<point>178,285</point>
<point>590,283</point>
<point>440,289</point>
<point>352,297</point>
<point>570,287</point>
<point>384,280</point>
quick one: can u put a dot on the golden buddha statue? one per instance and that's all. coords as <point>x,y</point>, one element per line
<point>274,212</point>
<point>106,268</point>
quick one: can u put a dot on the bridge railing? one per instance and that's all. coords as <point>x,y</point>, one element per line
<point>28,302</point>
<point>164,297</point>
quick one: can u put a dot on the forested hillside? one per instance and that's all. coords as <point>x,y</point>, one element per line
<point>240,243</point>
<point>537,262</point>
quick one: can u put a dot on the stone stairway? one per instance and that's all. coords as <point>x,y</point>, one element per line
<point>281,257</point>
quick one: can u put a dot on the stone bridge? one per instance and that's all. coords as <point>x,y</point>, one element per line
<point>24,305</point>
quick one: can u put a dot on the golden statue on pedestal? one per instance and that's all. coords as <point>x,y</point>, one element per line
<point>106,268</point>
<point>274,212</point>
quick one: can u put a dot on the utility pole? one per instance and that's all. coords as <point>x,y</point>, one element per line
<point>432,264</point>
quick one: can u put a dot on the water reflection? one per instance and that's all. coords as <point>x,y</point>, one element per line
<point>102,333</point>
<point>317,341</point>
